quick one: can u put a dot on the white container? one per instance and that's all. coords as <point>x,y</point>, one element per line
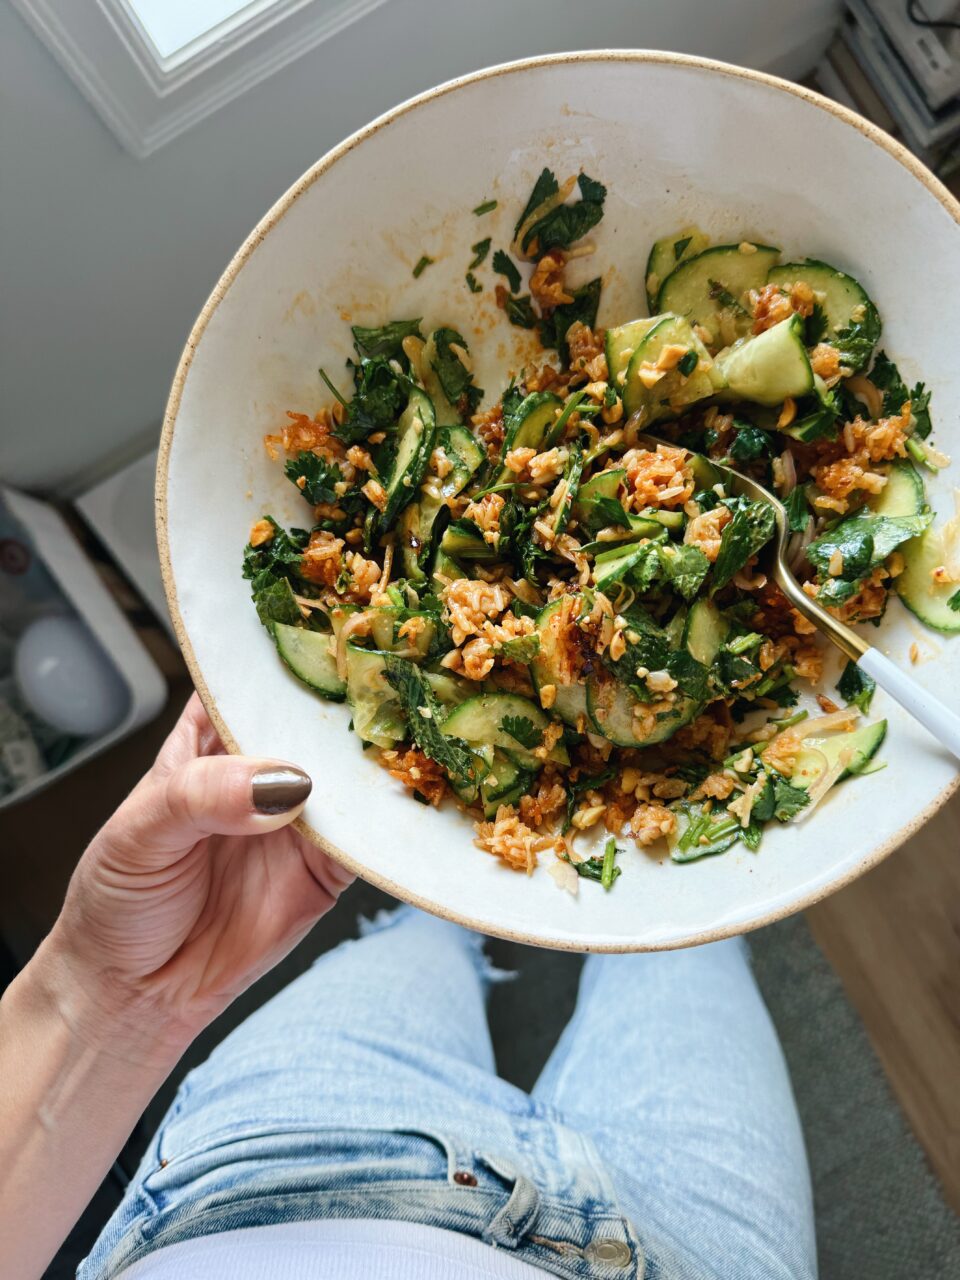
<point>56,546</point>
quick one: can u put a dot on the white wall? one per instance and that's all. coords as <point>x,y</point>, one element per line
<point>105,260</point>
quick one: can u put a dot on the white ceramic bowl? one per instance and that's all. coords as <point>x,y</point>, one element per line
<point>676,140</point>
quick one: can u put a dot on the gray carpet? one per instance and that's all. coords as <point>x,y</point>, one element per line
<point>880,1214</point>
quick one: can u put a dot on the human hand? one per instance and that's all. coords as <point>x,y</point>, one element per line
<point>194,888</point>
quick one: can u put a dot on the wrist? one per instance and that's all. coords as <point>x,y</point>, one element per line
<point>101,1011</point>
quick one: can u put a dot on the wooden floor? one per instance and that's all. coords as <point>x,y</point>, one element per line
<point>894,939</point>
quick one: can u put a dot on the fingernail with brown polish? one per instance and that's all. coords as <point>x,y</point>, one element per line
<point>277,790</point>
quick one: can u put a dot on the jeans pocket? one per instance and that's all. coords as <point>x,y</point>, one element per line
<point>294,1158</point>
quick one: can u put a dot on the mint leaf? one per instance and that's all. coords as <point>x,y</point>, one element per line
<point>788,800</point>
<point>415,693</point>
<point>752,526</point>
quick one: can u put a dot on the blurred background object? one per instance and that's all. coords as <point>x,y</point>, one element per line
<point>897,62</point>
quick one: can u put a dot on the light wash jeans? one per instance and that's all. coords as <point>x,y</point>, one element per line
<point>661,1140</point>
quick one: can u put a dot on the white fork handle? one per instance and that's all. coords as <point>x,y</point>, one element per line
<point>922,705</point>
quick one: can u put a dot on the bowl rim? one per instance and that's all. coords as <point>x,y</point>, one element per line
<point>270,219</point>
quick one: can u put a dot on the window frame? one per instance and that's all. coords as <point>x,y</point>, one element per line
<point>147,100</point>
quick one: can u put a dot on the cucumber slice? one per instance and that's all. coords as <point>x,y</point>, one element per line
<point>414,541</point>
<point>705,474</point>
<point>605,484</point>
<point>554,665</point>
<point>673,521</point>
<point>416,527</point>
<point>383,630</point>
<point>845,304</point>
<point>903,493</point>
<point>611,566</point>
<point>528,426</point>
<point>622,341</point>
<point>916,587</point>
<point>445,411</point>
<point>506,782</point>
<point>462,542</point>
<point>640,528</point>
<point>416,432</point>
<point>610,707</point>
<point>668,253</point>
<point>465,452</point>
<point>820,754</point>
<point>479,723</point>
<point>445,570</point>
<point>710,289</point>
<point>450,690</point>
<point>308,655</point>
<point>705,632</point>
<point>769,367</point>
<point>672,392</point>
<point>377,715</point>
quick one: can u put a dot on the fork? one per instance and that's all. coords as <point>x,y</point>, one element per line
<point>924,706</point>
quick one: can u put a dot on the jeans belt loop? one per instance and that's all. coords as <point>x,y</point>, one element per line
<point>508,1227</point>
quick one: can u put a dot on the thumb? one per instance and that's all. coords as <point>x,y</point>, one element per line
<point>209,795</point>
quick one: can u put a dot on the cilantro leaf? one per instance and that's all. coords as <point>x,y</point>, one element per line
<point>856,341</point>
<point>473,284</point>
<point>855,687</point>
<point>886,377</point>
<point>815,326</point>
<point>414,694</point>
<point>685,567</point>
<point>385,340</point>
<point>520,311</point>
<point>788,800</point>
<point>279,555</point>
<point>269,568</point>
<point>320,477</point>
<point>516,536</point>
<point>954,602</point>
<point>753,525</point>
<point>798,509</point>
<point>646,571</point>
<point>816,417</point>
<point>380,396</point>
<point>454,377</point>
<point>553,328</point>
<point>480,251</point>
<point>505,266</point>
<point>522,730</point>
<point>565,223</point>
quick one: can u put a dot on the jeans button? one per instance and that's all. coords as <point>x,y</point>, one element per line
<point>464,1179</point>
<point>613,1252</point>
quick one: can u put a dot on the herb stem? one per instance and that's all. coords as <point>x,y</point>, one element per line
<point>333,389</point>
<point>607,875</point>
